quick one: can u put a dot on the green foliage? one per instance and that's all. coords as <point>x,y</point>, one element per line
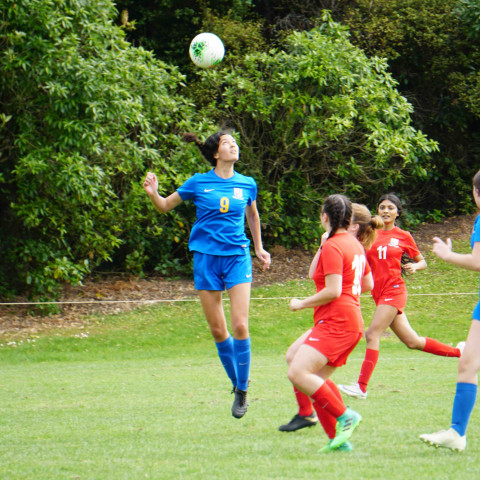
<point>432,55</point>
<point>85,115</point>
<point>319,117</point>
<point>468,12</point>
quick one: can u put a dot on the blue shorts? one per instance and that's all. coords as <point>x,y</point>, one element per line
<point>215,272</point>
<point>476,312</point>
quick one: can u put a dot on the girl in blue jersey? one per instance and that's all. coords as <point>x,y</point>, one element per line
<point>221,254</point>
<point>469,363</point>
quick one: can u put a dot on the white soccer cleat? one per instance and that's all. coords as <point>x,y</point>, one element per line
<point>446,438</point>
<point>461,346</point>
<point>353,390</point>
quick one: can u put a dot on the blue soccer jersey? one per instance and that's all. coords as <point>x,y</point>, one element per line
<point>220,225</point>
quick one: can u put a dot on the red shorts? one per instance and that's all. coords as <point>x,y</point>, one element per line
<point>335,344</point>
<point>396,297</point>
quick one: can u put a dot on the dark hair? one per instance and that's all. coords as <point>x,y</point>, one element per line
<point>339,211</point>
<point>394,199</point>
<point>476,181</point>
<point>368,224</point>
<point>208,148</point>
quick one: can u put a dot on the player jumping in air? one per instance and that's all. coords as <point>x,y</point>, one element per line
<point>221,254</point>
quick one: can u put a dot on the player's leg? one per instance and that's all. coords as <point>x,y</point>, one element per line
<point>306,416</point>
<point>213,309</point>
<point>465,395</point>
<point>237,274</point>
<point>467,380</point>
<point>303,373</point>
<point>404,331</point>
<point>239,302</point>
<point>382,319</point>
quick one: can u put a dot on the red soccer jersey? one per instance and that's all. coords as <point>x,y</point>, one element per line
<point>385,256</point>
<point>342,255</point>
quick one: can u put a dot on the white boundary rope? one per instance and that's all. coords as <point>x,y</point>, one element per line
<point>174,300</point>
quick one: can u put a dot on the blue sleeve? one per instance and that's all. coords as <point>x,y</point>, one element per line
<point>188,189</point>
<point>253,193</point>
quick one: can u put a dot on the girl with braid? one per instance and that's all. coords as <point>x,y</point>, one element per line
<point>221,254</point>
<point>390,294</point>
<point>363,227</point>
<point>341,274</point>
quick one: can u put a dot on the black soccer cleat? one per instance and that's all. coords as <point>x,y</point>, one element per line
<point>239,407</point>
<point>298,422</point>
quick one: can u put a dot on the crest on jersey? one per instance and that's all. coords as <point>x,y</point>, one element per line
<point>238,193</point>
<point>394,242</point>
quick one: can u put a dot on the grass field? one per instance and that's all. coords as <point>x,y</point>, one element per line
<point>143,395</point>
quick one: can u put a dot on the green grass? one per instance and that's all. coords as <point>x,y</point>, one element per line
<point>143,395</point>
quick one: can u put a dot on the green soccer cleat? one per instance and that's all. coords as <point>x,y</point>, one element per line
<point>346,424</point>
<point>344,447</point>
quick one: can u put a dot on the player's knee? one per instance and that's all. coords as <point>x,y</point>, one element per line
<point>292,374</point>
<point>468,366</point>
<point>240,330</point>
<point>218,332</point>
<point>371,335</point>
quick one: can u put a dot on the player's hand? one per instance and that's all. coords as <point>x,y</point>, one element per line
<point>150,185</point>
<point>296,304</point>
<point>410,267</point>
<point>440,248</point>
<point>265,258</point>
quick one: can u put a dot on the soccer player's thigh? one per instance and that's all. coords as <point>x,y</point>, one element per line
<point>382,318</point>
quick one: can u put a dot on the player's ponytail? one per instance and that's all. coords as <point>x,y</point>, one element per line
<point>367,224</point>
<point>339,211</point>
<point>208,148</point>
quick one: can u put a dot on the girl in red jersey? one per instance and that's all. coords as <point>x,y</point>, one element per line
<point>363,227</point>
<point>390,294</point>
<point>341,274</point>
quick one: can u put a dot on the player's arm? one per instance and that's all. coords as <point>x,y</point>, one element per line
<point>162,204</point>
<point>418,263</point>
<point>470,261</point>
<point>367,282</point>
<point>253,220</point>
<point>331,291</point>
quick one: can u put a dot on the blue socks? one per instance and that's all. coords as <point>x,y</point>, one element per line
<point>227,357</point>
<point>235,357</point>
<point>463,403</point>
<point>242,355</point>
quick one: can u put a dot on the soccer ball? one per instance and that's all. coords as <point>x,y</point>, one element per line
<point>206,50</point>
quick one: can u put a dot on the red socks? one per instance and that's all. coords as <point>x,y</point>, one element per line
<point>329,405</point>
<point>438,348</point>
<point>305,408</point>
<point>368,366</point>
<point>328,421</point>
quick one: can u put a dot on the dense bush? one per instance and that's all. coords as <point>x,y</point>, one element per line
<point>84,116</point>
<point>319,117</point>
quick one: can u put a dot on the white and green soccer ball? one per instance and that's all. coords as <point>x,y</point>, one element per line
<point>206,50</point>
